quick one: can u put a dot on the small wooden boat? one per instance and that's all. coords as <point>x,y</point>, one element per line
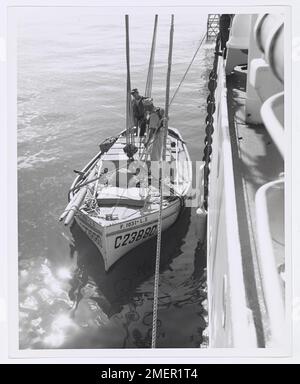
<point>121,198</point>
<point>118,217</point>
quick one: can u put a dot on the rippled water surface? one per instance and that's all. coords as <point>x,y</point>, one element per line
<point>71,95</point>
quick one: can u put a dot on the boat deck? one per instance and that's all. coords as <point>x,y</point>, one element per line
<point>119,204</point>
<point>116,152</point>
<point>123,194</point>
<point>256,161</point>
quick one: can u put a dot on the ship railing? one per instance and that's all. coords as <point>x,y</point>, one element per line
<point>269,41</point>
<point>269,205</point>
<point>269,199</point>
<point>272,113</point>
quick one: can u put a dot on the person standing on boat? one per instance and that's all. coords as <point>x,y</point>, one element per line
<point>138,111</point>
<point>157,127</point>
<point>154,136</point>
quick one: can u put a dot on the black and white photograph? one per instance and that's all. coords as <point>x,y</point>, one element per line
<point>151,148</point>
<point>150,179</point>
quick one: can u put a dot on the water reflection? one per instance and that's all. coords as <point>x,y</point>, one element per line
<point>66,299</point>
<point>44,306</point>
<point>120,284</point>
<point>80,305</point>
<point>125,292</point>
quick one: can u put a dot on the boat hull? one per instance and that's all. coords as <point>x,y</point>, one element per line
<point>115,237</point>
<point>116,240</point>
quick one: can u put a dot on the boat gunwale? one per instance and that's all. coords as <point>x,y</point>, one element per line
<point>119,222</point>
<point>171,130</point>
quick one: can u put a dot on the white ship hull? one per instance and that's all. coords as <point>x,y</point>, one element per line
<point>245,216</point>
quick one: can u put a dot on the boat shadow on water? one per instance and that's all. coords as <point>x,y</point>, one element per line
<point>124,294</point>
<point>119,286</point>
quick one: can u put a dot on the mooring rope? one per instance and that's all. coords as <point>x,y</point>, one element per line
<point>162,160</point>
<point>188,68</point>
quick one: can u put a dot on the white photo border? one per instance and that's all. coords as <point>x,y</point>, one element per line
<point>9,224</point>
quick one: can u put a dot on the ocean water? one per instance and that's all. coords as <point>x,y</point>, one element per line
<point>71,95</point>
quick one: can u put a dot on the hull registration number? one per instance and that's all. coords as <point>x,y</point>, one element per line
<point>132,237</point>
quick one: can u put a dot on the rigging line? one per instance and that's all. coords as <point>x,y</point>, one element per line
<point>149,144</point>
<point>97,181</point>
<point>149,81</point>
<point>188,68</point>
<point>162,160</point>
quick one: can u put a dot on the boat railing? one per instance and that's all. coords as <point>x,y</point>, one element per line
<point>268,32</point>
<point>272,113</point>
<point>238,42</point>
<point>269,36</point>
<point>269,206</point>
<point>269,198</point>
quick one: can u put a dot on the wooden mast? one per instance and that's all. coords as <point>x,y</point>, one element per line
<point>129,114</point>
<point>167,102</point>
<point>130,149</point>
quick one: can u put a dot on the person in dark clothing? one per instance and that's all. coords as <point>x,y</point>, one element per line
<point>138,111</point>
<point>224,26</point>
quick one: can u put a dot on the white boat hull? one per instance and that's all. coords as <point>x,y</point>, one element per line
<point>116,240</point>
<point>133,224</point>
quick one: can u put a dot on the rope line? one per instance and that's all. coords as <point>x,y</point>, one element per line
<point>162,160</point>
<point>157,267</point>
<point>149,81</point>
<point>188,68</point>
